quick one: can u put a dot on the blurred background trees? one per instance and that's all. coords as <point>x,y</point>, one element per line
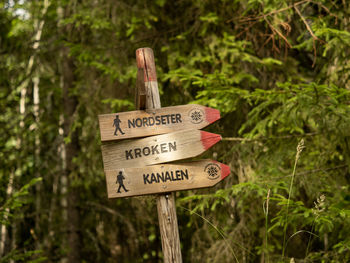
<point>277,70</point>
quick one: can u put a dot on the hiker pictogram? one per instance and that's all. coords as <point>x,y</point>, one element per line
<point>120,179</point>
<point>116,124</point>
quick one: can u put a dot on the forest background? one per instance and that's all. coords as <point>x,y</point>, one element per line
<point>277,70</point>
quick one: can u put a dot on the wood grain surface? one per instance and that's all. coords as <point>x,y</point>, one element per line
<point>133,124</point>
<point>157,149</point>
<point>162,178</point>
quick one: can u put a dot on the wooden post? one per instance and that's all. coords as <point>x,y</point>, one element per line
<point>169,230</point>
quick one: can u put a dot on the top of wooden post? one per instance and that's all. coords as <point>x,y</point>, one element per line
<point>145,60</point>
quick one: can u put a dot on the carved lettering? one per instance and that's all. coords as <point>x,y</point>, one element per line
<point>163,148</point>
<point>184,174</point>
<point>163,177</point>
<point>150,150</point>
<point>178,118</point>
<point>129,155</point>
<point>160,177</point>
<point>131,123</point>
<point>157,120</point>
<point>137,152</point>
<point>172,146</point>
<point>145,179</point>
<point>154,149</point>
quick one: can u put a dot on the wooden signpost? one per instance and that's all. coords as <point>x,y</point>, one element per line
<point>157,149</point>
<point>161,178</point>
<point>132,124</point>
<point>129,164</point>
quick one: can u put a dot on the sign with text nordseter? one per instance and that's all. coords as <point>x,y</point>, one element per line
<point>133,124</point>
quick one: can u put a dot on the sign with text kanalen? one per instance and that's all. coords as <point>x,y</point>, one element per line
<point>133,124</point>
<point>160,178</point>
<point>157,149</point>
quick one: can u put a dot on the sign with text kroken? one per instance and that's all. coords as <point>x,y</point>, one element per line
<point>157,149</point>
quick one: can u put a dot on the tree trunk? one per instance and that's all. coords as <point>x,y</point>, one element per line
<point>70,104</point>
<point>22,109</point>
<point>63,185</point>
<point>36,102</point>
<point>4,232</point>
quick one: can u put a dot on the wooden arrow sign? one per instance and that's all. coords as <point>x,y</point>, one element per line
<point>157,149</point>
<point>133,124</point>
<point>164,178</point>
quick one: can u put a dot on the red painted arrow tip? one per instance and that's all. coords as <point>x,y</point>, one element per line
<point>225,170</point>
<point>209,139</point>
<point>212,115</point>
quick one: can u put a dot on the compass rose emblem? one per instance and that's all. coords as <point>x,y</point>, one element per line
<point>196,115</point>
<point>213,171</point>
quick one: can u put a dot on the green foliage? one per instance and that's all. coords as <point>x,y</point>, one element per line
<point>15,202</point>
<point>292,108</point>
<point>23,257</point>
<point>277,70</point>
